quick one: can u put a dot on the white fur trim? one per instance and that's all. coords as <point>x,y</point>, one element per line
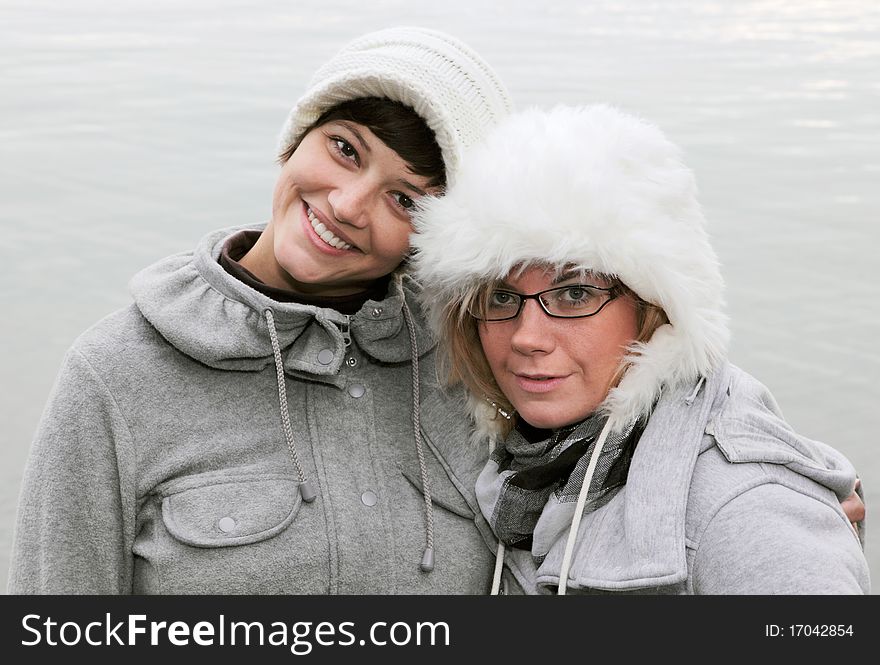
<point>600,189</point>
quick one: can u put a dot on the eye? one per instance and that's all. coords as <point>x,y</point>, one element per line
<point>403,200</point>
<point>344,149</point>
<point>501,299</point>
<point>577,299</point>
<point>576,294</point>
<point>498,306</point>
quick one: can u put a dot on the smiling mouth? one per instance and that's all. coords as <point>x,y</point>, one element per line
<point>324,233</point>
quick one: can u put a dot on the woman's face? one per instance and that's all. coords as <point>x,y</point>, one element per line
<point>341,211</point>
<point>556,371</point>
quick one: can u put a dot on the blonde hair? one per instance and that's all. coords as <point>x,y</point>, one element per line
<point>461,358</point>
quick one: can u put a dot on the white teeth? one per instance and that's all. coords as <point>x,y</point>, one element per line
<point>326,234</point>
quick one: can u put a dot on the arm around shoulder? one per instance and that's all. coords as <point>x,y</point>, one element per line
<point>76,514</point>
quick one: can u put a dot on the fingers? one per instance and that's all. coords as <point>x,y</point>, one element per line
<point>854,508</point>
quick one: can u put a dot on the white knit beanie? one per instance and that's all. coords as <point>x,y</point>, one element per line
<point>444,81</point>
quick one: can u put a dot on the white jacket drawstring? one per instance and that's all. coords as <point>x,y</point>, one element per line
<point>579,508</point>
<point>499,551</point>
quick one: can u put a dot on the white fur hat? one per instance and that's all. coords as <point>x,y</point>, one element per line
<point>599,189</point>
<point>449,85</point>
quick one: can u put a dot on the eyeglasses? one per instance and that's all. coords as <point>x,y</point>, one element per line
<point>574,301</point>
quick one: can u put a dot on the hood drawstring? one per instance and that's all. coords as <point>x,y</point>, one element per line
<point>499,568</point>
<point>579,508</point>
<point>306,487</point>
<point>499,552</point>
<point>427,564</point>
<point>575,520</point>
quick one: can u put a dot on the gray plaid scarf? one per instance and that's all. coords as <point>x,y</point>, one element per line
<point>530,485</point>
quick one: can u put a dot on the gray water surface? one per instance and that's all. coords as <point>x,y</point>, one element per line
<point>129,129</point>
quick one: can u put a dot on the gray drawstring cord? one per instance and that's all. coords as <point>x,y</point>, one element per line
<point>306,488</point>
<point>499,551</point>
<point>427,564</point>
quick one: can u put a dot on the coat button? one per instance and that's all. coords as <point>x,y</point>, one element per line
<point>325,356</point>
<point>351,361</point>
<point>356,390</point>
<point>369,498</point>
<point>376,313</point>
<point>226,524</point>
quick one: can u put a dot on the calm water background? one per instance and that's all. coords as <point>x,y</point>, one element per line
<point>129,129</point>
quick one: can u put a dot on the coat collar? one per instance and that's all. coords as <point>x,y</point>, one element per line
<point>219,321</point>
<point>638,539</point>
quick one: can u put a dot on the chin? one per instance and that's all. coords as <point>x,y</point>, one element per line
<point>300,264</point>
<point>551,418</point>
<point>543,420</point>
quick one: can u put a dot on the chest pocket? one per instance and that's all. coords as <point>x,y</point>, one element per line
<point>208,510</point>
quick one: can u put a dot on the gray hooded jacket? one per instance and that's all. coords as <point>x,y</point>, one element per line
<point>161,465</point>
<point>722,497</point>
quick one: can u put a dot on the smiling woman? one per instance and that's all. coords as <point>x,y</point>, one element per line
<point>342,203</point>
<point>264,418</point>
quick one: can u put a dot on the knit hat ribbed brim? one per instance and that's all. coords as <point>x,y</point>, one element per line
<point>443,80</point>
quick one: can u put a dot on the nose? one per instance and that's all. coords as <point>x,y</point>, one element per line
<point>532,333</point>
<point>352,201</point>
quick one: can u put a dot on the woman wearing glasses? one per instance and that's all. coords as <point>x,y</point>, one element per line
<point>585,320</point>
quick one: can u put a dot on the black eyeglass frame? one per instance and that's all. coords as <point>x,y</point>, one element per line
<point>612,291</point>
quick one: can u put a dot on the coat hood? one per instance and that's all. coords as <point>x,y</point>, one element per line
<point>693,460</point>
<point>596,189</point>
<point>219,321</point>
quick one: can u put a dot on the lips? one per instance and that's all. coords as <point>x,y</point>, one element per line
<point>538,383</point>
<point>327,232</point>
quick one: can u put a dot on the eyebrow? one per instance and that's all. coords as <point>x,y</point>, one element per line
<point>366,148</point>
<point>412,187</point>
<point>564,277</point>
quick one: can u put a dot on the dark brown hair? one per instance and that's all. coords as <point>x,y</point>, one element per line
<point>397,126</point>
